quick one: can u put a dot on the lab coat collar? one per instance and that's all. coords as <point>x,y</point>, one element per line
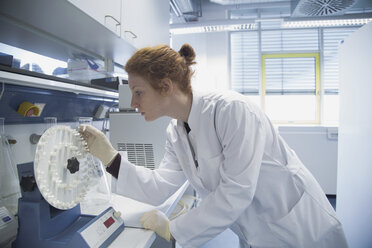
<point>195,111</point>
<point>194,115</point>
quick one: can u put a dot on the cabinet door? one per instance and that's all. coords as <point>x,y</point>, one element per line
<point>145,22</point>
<point>106,12</point>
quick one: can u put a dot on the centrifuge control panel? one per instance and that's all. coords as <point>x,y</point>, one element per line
<point>102,228</point>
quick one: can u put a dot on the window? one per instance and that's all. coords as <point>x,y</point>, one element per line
<point>290,73</point>
<point>290,86</point>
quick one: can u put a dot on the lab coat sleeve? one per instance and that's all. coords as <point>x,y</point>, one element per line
<point>242,138</point>
<point>151,186</point>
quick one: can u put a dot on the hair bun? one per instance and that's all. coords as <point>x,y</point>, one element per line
<point>188,53</point>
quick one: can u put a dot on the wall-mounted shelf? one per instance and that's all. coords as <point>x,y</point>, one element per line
<point>63,100</point>
<point>73,87</point>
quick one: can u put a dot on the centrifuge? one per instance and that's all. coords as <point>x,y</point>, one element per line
<point>52,188</point>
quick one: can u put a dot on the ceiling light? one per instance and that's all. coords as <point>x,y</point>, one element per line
<point>325,23</point>
<point>212,26</point>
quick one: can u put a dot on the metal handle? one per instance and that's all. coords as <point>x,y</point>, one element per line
<point>133,34</point>
<point>116,20</point>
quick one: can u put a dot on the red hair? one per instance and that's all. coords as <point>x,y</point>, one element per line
<point>159,62</point>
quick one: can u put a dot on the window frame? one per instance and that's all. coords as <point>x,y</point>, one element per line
<point>316,56</point>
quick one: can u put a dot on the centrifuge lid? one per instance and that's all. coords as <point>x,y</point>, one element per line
<point>62,167</point>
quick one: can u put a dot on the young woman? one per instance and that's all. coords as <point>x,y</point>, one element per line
<point>226,147</point>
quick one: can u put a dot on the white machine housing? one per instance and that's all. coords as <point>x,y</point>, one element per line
<point>143,141</point>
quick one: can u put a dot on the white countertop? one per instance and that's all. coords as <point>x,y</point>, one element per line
<point>131,211</point>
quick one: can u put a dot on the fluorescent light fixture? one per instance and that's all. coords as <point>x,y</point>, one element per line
<point>325,23</point>
<point>212,26</point>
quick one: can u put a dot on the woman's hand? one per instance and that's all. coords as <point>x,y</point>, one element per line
<point>158,222</point>
<point>98,144</point>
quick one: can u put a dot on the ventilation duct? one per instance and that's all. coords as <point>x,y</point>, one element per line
<point>304,8</point>
<point>190,10</point>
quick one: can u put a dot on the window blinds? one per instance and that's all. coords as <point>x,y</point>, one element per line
<point>290,40</point>
<point>245,58</point>
<point>245,66</point>
<point>245,62</point>
<point>290,75</point>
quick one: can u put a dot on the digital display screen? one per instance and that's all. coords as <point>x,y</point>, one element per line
<point>109,222</point>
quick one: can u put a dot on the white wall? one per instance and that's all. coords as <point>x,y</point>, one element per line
<point>212,57</point>
<point>316,146</point>
<point>354,194</point>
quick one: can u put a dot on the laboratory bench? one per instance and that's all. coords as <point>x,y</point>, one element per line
<point>133,235</point>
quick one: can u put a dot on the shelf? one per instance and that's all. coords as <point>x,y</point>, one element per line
<point>63,100</point>
<point>77,88</point>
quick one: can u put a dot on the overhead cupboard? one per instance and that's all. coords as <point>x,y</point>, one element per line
<point>141,22</point>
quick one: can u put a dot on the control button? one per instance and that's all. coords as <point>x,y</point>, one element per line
<point>117,214</point>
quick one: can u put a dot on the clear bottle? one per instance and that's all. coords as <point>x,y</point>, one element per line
<point>86,120</point>
<point>82,120</point>
<point>9,182</point>
<point>50,122</point>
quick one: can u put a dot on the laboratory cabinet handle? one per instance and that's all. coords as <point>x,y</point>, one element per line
<point>133,34</point>
<point>116,20</point>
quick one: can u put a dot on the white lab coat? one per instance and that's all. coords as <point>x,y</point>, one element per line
<point>248,177</point>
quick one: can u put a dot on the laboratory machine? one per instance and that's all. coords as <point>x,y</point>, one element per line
<point>52,187</point>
